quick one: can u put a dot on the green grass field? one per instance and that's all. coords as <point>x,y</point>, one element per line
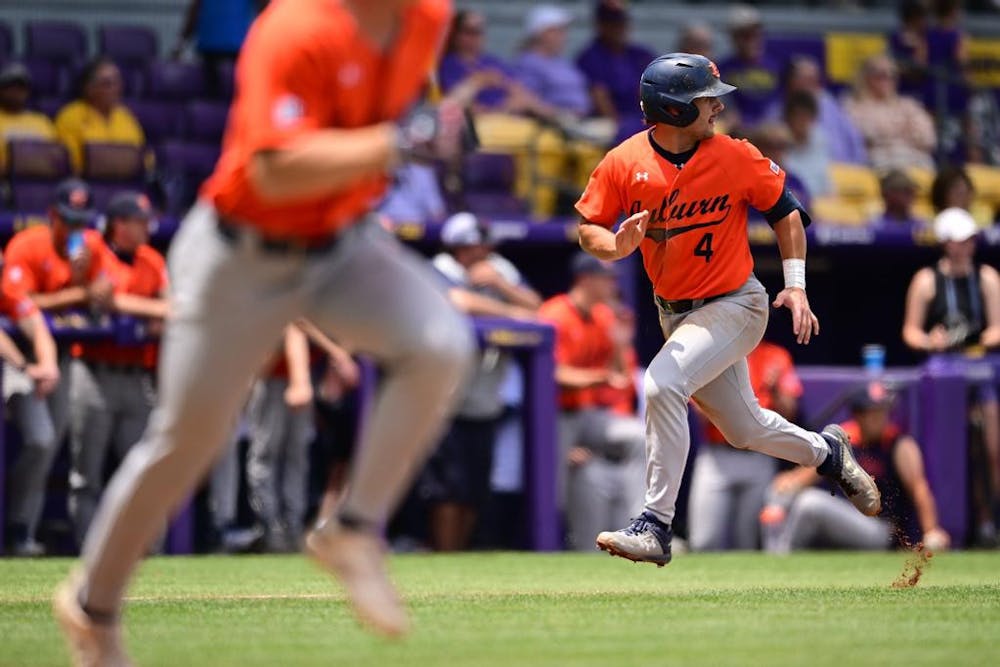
<point>552,609</point>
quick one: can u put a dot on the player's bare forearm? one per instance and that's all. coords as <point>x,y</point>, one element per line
<point>791,235</point>
<point>605,244</point>
<point>70,296</point>
<point>598,241</point>
<point>9,351</point>
<point>574,377</point>
<point>141,306</point>
<point>323,162</point>
<point>297,355</point>
<point>923,503</point>
<point>37,331</point>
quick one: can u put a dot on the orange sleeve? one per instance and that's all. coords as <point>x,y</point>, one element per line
<point>281,85</point>
<point>601,203</point>
<point>764,178</point>
<point>18,280</point>
<point>788,380</point>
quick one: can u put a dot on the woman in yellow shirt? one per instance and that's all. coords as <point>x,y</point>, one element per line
<point>97,116</point>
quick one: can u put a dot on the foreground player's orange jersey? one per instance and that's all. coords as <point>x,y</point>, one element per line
<point>696,243</point>
<point>304,67</point>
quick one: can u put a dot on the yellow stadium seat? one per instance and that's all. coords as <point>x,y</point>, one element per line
<point>846,51</point>
<point>923,178</point>
<point>855,183</point>
<point>839,211</point>
<point>986,181</point>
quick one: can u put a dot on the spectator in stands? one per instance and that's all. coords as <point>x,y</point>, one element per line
<point>97,115</point>
<point>954,307</point>
<point>218,28</point>
<point>844,142</point>
<point>899,191</point>
<point>952,188</point>
<point>111,385</point>
<point>603,450</point>
<point>817,519</point>
<point>456,482</point>
<point>754,73</point>
<point>897,130</point>
<point>908,46</point>
<point>808,156</point>
<point>415,195</point>
<point>773,139</point>
<point>543,67</point>
<point>16,120</point>
<point>728,485</point>
<point>697,38</point>
<point>56,266</point>
<point>612,65</point>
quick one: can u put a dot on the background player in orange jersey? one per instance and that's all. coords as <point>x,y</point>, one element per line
<point>686,192</point>
<point>283,230</point>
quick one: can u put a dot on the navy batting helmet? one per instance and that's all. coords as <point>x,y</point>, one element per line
<point>671,83</point>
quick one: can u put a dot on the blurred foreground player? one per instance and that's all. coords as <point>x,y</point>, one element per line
<point>282,231</point>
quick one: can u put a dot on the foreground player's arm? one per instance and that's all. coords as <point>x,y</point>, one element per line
<point>791,235</point>
<point>605,244</point>
<point>990,282</point>
<point>910,467</point>
<point>45,370</point>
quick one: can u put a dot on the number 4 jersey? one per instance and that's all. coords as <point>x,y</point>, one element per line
<point>696,242</point>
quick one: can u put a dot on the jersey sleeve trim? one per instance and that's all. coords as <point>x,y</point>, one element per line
<point>786,203</point>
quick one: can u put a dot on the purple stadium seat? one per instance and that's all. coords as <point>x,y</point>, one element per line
<point>183,167</point>
<point>128,44</point>
<point>227,80</point>
<point>55,41</point>
<point>205,121</point>
<point>784,47</point>
<point>6,43</point>
<point>48,79</point>
<point>113,162</point>
<point>177,82</point>
<point>34,166</point>
<point>50,106</point>
<point>488,183</point>
<point>159,120</point>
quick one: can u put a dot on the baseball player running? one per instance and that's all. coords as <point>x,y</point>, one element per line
<point>686,193</point>
<point>283,230</point>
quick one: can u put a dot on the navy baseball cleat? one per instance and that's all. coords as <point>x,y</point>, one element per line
<point>645,540</point>
<point>841,467</point>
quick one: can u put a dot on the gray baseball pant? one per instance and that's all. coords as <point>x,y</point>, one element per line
<point>728,487</point>
<point>107,407</point>
<point>42,423</point>
<point>819,520</point>
<point>231,301</point>
<point>278,460</point>
<point>604,492</point>
<point>704,358</point>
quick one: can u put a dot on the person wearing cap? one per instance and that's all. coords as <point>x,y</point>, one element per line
<point>112,385</point>
<point>59,266</point>
<point>16,120</point>
<point>456,481</point>
<point>612,64</point>
<point>602,442</point>
<point>954,307</point>
<point>750,68</point>
<point>543,67</point>
<point>815,519</point>
<point>899,192</point>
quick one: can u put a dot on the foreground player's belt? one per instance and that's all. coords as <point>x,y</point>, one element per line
<point>685,305</point>
<point>234,232</point>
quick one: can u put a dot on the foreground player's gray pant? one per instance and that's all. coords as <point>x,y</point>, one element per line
<point>42,423</point>
<point>107,407</point>
<point>604,492</point>
<point>817,520</point>
<point>728,486</point>
<point>278,460</point>
<point>230,303</point>
<point>704,358</point>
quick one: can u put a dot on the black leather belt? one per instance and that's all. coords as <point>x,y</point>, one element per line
<point>686,305</point>
<point>233,232</point>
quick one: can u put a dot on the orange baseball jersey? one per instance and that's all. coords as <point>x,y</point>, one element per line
<point>305,66</point>
<point>145,276</point>
<point>696,242</point>
<point>771,370</point>
<point>583,342</point>
<point>32,265</point>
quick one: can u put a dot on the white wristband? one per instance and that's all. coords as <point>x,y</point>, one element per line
<point>795,273</point>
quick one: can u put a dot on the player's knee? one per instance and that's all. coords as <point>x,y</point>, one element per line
<point>662,387</point>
